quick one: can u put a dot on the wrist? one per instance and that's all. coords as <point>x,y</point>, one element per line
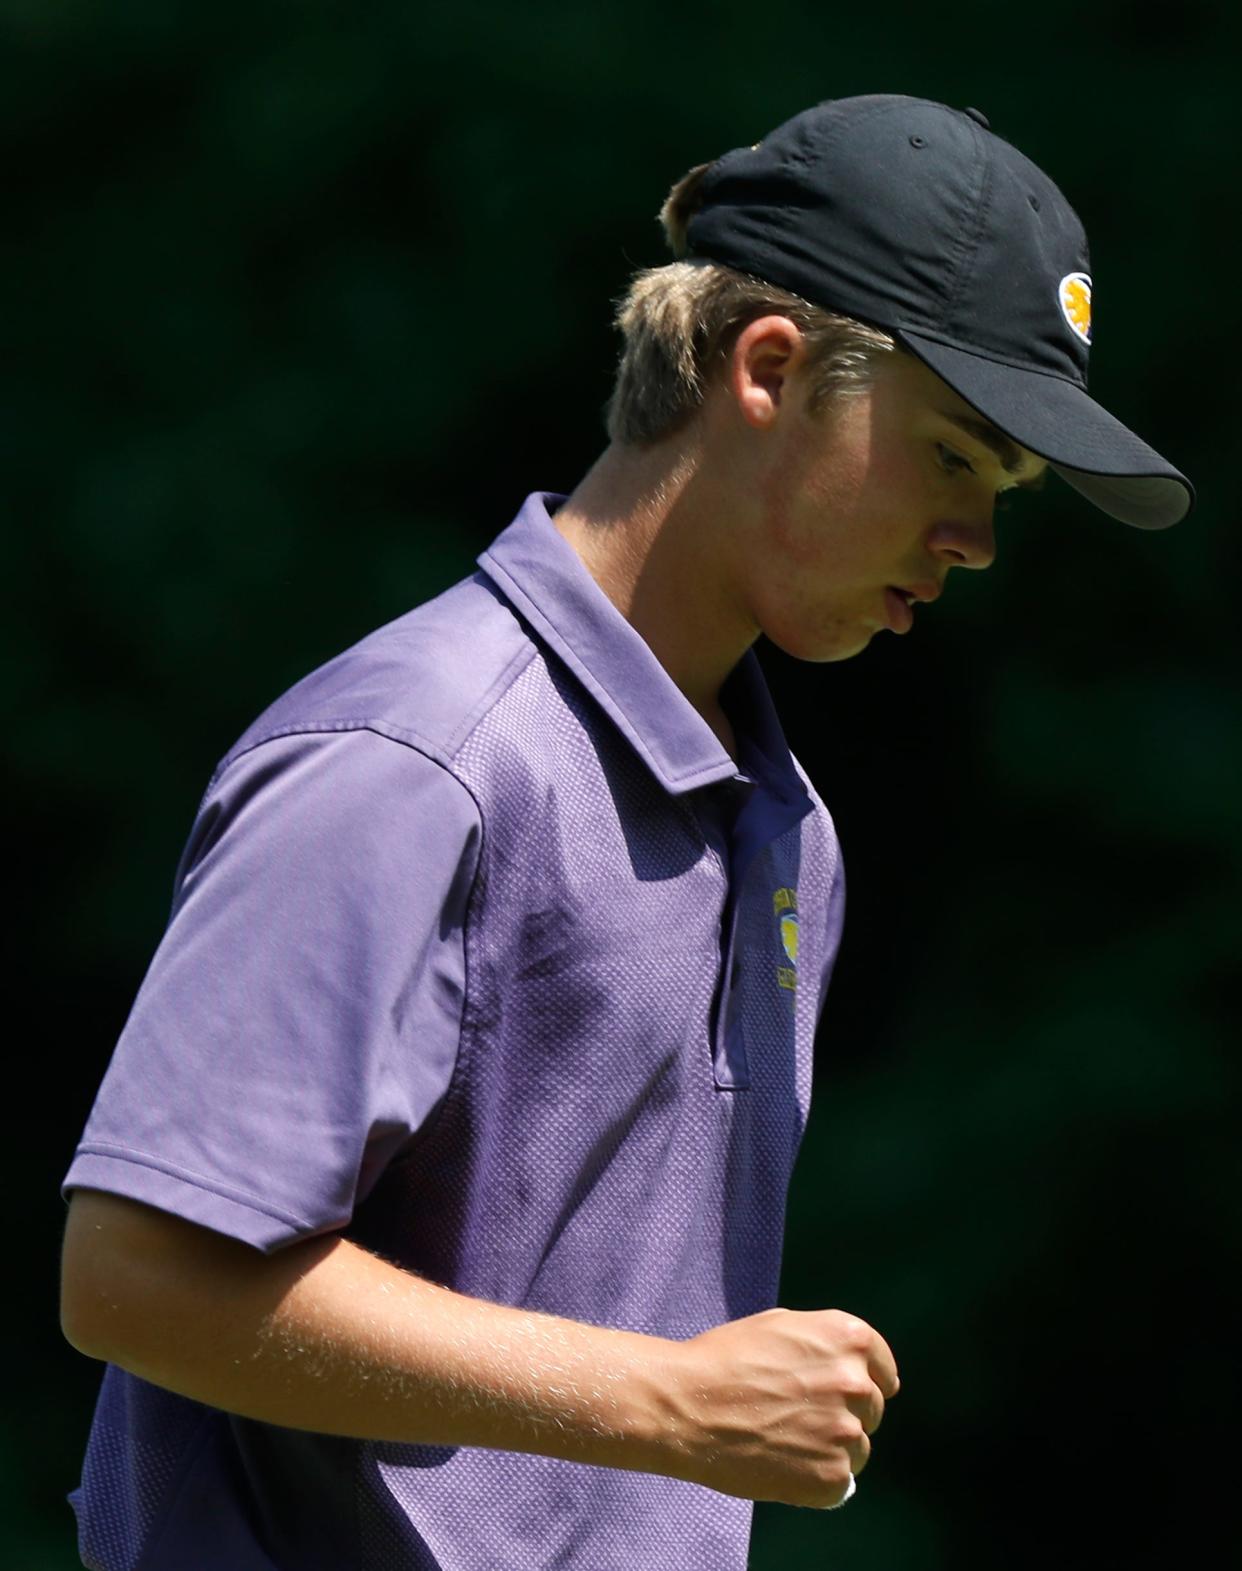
<point>657,1407</point>
<point>620,1405</point>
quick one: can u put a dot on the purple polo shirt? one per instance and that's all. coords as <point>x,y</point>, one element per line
<point>486,955</point>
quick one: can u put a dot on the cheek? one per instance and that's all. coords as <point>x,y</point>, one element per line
<point>780,487</point>
<point>808,492</point>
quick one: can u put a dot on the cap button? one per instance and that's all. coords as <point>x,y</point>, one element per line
<point>978,116</point>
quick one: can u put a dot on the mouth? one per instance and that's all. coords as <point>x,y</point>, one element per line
<point>898,604</point>
<point>900,601</point>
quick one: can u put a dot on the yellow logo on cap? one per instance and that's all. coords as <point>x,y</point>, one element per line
<point>1075,297</point>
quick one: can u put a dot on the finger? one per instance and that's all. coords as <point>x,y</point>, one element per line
<point>871,1412</point>
<point>865,1403</point>
<point>882,1367</point>
<point>846,1493</point>
<point>859,1452</point>
<point>860,1337</point>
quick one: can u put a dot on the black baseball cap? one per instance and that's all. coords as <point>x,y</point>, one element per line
<point>916,218</point>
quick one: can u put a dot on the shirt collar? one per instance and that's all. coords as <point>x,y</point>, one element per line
<point>546,581</point>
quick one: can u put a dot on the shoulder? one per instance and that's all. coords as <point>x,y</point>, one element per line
<point>424,680</point>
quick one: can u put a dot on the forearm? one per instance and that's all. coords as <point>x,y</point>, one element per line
<point>325,1336</point>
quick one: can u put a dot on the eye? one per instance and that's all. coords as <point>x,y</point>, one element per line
<point>1007,497</point>
<point>952,461</point>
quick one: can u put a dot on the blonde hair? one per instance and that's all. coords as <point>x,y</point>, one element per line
<point>680,323</point>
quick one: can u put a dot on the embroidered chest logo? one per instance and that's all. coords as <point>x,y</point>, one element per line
<point>785,909</point>
<point>1075,297</point>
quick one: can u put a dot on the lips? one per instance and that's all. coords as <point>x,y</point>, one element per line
<point>900,616</point>
<point>899,601</point>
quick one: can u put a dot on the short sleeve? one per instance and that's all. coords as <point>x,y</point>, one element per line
<point>301,1015</point>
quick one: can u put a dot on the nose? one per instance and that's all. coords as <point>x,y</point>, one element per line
<point>964,543</point>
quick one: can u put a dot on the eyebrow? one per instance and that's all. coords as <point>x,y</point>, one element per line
<point>1008,452</point>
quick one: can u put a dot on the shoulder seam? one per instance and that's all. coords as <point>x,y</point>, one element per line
<point>326,727</point>
<point>507,677</point>
<point>403,735</point>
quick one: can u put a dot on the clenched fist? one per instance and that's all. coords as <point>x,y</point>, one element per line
<point>781,1405</point>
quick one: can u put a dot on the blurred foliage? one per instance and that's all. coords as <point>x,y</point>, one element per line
<point>303,298</point>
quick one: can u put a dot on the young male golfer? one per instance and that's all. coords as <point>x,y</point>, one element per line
<point>429,1215</point>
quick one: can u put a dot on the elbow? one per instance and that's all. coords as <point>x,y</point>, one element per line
<point>79,1337</point>
<point>83,1309</point>
<point>91,1304</point>
<point>77,1326</point>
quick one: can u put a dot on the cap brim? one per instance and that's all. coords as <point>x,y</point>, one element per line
<point>1056,420</point>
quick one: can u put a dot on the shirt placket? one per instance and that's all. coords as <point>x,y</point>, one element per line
<point>760,820</point>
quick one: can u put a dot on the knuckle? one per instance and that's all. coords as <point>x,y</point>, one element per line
<point>832,1482</point>
<point>855,1332</point>
<point>849,1433</point>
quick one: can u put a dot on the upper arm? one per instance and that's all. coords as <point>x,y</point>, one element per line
<point>302,1013</point>
<point>105,1236</point>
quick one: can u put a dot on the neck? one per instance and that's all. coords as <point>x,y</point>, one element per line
<point>657,542</point>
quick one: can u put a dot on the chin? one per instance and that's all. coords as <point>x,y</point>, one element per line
<point>841,643</point>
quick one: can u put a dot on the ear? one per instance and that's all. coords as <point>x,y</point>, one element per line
<point>766,355</point>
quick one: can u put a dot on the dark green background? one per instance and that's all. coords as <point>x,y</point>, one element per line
<point>300,301</point>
